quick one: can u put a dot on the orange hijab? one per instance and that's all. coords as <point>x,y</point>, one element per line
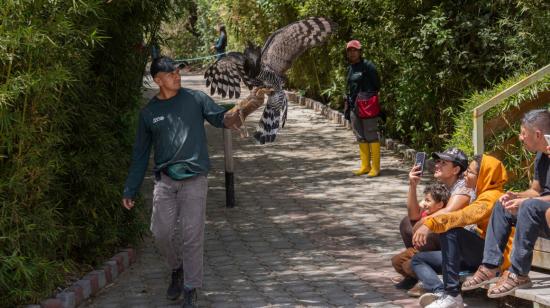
<point>489,187</point>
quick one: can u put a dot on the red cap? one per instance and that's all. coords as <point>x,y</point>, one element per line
<point>353,44</point>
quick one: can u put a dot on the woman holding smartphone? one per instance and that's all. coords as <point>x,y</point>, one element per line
<point>449,168</point>
<point>461,245</point>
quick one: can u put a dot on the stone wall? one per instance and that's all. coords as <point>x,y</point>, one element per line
<point>337,117</point>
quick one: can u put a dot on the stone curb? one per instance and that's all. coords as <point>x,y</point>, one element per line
<point>91,283</point>
<point>336,117</point>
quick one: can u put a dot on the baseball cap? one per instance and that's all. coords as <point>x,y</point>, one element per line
<point>353,44</point>
<point>162,64</point>
<point>453,155</point>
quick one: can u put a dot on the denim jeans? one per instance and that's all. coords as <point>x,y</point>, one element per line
<point>530,223</point>
<point>461,250</point>
<point>426,265</point>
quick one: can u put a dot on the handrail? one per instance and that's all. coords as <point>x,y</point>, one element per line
<point>495,100</point>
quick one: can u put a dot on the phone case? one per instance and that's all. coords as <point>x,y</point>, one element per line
<point>419,160</point>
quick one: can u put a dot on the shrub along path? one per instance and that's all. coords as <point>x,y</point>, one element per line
<point>305,232</point>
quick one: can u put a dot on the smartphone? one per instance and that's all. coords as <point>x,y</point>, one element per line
<point>419,161</point>
<point>547,137</point>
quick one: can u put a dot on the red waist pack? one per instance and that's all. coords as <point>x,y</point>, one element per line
<point>367,106</point>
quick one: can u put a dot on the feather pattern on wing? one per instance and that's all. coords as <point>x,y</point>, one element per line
<point>266,68</point>
<point>225,75</point>
<point>286,44</point>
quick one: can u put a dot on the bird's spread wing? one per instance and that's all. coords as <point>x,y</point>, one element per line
<point>225,75</point>
<point>286,44</point>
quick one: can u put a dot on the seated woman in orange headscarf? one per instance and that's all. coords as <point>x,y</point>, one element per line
<point>461,244</point>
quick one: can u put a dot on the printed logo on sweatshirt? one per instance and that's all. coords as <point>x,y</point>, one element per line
<point>157,119</point>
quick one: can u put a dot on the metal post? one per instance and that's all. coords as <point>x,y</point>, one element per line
<point>497,99</point>
<point>478,134</point>
<point>229,176</point>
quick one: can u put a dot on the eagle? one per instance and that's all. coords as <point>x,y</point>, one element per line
<point>266,68</point>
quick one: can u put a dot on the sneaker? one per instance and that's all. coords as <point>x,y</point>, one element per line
<point>397,279</point>
<point>190,298</point>
<point>175,287</point>
<point>447,301</point>
<point>417,290</point>
<point>406,284</point>
<point>428,298</point>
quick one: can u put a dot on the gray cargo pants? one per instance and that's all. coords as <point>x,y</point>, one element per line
<point>179,213</point>
<point>365,130</point>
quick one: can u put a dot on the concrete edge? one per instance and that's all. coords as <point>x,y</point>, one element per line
<point>337,117</point>
<point>91,283</point>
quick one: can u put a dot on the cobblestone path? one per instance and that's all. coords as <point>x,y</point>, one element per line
<point>304,232</point>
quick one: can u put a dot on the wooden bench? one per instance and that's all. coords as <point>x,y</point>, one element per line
<point>539,293</point>
<point>541,254</point>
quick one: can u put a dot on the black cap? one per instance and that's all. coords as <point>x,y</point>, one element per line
<point>453,155</point>
<point>163,64</point>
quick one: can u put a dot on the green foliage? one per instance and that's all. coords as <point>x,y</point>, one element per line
<point>430,54</point>
<point>516,158</point>
<point>70,87</point>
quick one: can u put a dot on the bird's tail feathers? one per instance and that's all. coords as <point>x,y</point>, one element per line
<point>268,126</point>
<point>273,118</point>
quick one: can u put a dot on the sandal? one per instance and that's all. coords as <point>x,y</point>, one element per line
<point>481,277</point>
<point>508,284</point>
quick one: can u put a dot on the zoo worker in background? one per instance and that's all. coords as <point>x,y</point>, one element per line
<point>221,43</point>
<point>363,82</point>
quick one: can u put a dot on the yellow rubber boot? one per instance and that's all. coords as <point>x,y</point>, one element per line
<point>375,154</point>
<point>365,159</point>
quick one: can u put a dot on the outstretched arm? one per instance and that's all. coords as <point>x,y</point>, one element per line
<point>232,119</point>
<point>235,117</point>
<point>455,203</point>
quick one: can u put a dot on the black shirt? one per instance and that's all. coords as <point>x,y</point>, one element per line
<point>362,77</point>
<point>542,163</point>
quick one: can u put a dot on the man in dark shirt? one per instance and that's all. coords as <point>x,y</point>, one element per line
<point>525,210</point>
<point>173,123</point>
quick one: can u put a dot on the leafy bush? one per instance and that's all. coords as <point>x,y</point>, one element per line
<point>70,87</point>
<point>430,54</point>
<point>502,143</point>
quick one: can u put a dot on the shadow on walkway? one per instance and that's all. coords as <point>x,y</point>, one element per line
<point>304,232</point>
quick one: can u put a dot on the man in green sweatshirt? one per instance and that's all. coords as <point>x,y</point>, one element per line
<point>173,124</point>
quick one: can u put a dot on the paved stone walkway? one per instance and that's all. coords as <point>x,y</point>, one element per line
<point>305,232</point>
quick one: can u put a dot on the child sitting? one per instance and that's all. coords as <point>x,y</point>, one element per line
<point>435,198</point>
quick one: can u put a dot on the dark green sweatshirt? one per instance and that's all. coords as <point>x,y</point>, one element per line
<point>175,129</point>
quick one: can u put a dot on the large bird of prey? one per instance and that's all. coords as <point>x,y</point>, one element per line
<point>266,68</point>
